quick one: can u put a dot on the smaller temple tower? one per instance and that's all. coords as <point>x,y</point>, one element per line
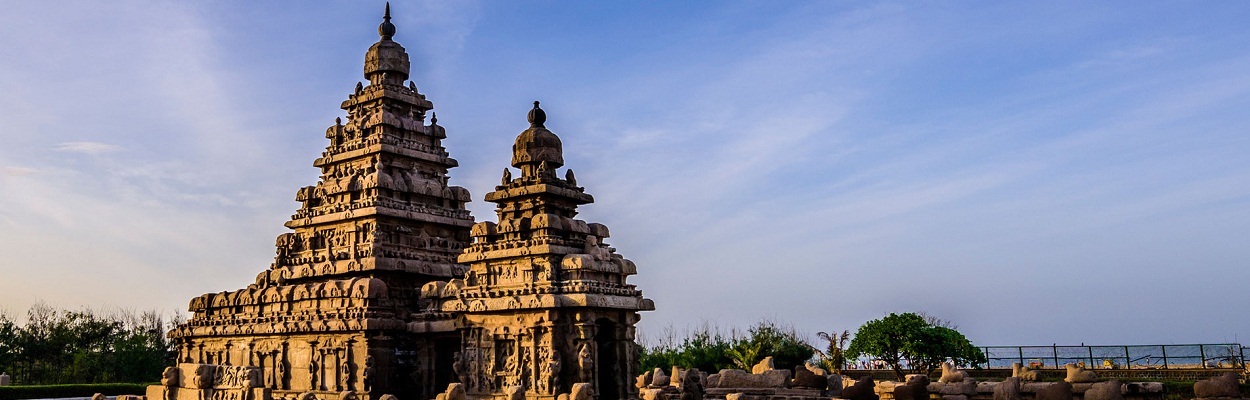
<point>545,303</point>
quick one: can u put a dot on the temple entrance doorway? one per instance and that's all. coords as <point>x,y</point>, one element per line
<point>608,347</point>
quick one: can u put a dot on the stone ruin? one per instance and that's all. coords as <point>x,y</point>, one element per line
<point>386,285</point>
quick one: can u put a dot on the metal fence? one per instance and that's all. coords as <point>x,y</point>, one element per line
<point>1221,355</point>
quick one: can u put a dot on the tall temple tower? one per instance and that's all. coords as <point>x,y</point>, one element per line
<point>545,303</point>
<point>331,314</point>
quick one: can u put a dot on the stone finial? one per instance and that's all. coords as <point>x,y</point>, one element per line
<point>507,176</point>
<point>537,116</point>
<point>434,118</point>
<point>569,177</point>
<point>387,29</point>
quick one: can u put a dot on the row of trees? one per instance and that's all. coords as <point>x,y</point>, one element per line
<point>62,346</point>
<point>917,342</point>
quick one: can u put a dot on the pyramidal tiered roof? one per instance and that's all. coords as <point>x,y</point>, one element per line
<point>380,222</point>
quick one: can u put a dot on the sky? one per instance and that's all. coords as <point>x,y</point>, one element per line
<point>1033,172</point>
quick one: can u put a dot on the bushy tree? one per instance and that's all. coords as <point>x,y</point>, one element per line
<point>61,347</point>
<point>914,338</point>
<point>709,350</point>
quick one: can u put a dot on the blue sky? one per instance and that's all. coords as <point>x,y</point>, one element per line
<point>1035,172</point>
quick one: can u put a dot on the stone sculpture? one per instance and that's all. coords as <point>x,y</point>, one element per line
<point>1223,386</point>
<point>1008,389</point>
<point>1023,372</point>
<point>951,374</point>
<point>764,365</point>
<point>691,387</point>
<point>835,385</point>
<point>1078,374</point>
<point>861,390</point>
<point>1054,391</point>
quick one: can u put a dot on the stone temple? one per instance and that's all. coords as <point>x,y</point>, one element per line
<point>386,285</point>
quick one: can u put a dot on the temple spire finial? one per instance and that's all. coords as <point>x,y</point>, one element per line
<point>387,29</point>
<point>537,116</point>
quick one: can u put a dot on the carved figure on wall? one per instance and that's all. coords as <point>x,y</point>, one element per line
<point>585,362</point>
<point>312,372</point>
<point>457,366</point>
<point>368,373</point>
<point>347,369</point>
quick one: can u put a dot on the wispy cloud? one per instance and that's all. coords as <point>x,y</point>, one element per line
<point>88,147</point>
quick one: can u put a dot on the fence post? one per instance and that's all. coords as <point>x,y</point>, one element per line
<point>1165,355</point>
<point>1020,351</point>
<point>986,351</point>
<point>1202,360</point>
<point>1128,360</point>
<point>1091,357</point>
<point>1054,352</point>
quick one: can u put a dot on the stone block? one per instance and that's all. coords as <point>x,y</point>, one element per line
<point>1109,390</point>
<point>581,391</point>
<point>1054,391</point>
<point>1008,389</point>
<point>954,397</point>
<point>1221,386</point>
<point>861,390</point>
<point>734,396</point>
<point>916,389</point>
<point>652,394</point>
<point>805,378</point>
<point>968,387</point>
<point>195,376</point>
<point>736,378</point>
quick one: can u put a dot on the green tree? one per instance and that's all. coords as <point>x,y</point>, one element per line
<point>910,337</point>
<point>833,358</point>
